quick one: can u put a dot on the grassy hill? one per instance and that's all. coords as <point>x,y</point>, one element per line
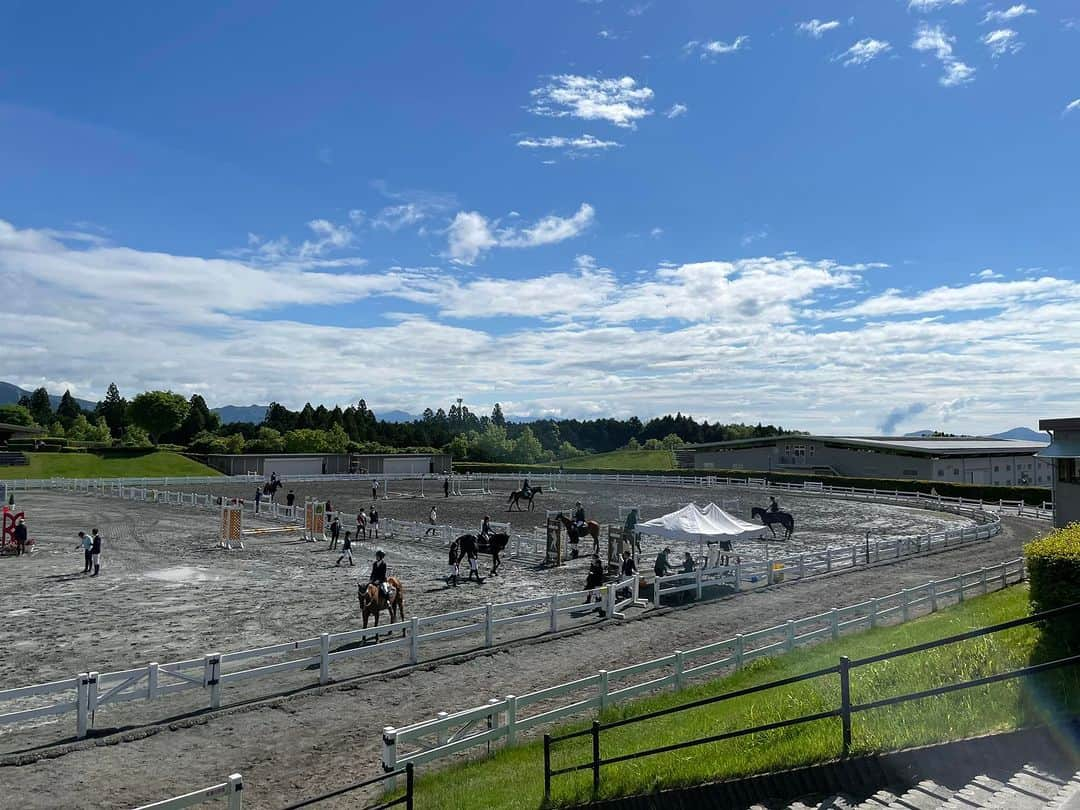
<point>513,778</point>
<point>623,460</point>
<point>90,465</point>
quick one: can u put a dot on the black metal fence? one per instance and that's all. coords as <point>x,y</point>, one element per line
<point>406,798</point>
<point>844,711</point>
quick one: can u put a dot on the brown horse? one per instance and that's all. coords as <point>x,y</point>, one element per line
<point>373,601</point>
<point>592,529</point>
<point>517,496</point>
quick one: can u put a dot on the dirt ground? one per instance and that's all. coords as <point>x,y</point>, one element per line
<point>165,593</point>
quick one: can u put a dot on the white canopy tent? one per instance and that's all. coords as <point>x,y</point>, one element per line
<point>694,524</point>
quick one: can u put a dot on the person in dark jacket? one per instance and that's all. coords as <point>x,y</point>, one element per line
<point>20,535</point>
<point>378,571</point>
<point>595,578</point>
<point>346,549</point>
<point>290,499</point>
<point>335,532</point>
<point>95,551</point>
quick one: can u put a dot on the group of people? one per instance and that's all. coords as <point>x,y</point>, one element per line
<point>366,524</point>
<point>91,547</point>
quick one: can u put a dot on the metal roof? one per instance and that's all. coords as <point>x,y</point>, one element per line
<point>941,446</point>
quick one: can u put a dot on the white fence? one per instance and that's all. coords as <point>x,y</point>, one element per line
<point>210,673</point>
<point>504,719</point>
<point>760,573</point>
<point>230,790</point>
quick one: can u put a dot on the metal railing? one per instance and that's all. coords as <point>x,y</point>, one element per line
<point>405,798</point>
<point>505,719</point>
<point>845,711</point>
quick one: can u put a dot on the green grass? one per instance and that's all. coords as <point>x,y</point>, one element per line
<point>90,465</point>
<point>513,778</point>
<point>651,460</point>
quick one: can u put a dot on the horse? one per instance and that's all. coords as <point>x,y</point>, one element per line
<point>373,601</point>
<point>592,528</point>
<point>769,518</point>
<point>495,545</point>
<point>517,495</point>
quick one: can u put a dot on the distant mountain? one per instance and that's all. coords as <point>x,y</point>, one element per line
<point>11,394</point>
<point>919,434</point>
<point>1023,434</point>
<point>395,416</point>
<point>240,413</point>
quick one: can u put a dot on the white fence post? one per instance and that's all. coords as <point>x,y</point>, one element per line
<point>637,587</point>
<point>678,670</point>
<point>440,731</point>
<point>81,704</point>
<point>414,640</point>
<point>152,680</point>
<point>553,610</point>
<point>511,720</point>
<point>236,791</point>
<point>982,579</point>
<point>212,677</point>
<point>91,695</point>
<point>873,611</point>
<point>489,625</point>
<point>828,559</point>
<point>324,659</point>
<point>906,604</point>
<point>834,622</point>
<point>609,601</point>
<point>932,585</point>
<point>389,749</point>
<point>603,689</point>
<point>698,584</point>
<point>789,635</point>
<point>656,593</point>
<point>738,650</point>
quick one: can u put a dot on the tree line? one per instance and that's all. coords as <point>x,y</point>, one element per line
<point>167,418</point>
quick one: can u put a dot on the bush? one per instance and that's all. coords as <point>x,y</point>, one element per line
<point>1053,564</point>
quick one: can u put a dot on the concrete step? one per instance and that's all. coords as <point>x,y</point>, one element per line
<point>1068,797</point>
<point>881,799</point>
<point>927,795</point>
<point>1028,789</point>
<point>976,793</point>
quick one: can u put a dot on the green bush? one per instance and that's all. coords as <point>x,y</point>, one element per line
<point>1053,564</point>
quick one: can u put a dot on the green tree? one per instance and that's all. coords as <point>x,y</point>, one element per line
<point>41,407</point>
<point>68,410</point>
<point>497,417</point>
<point>306,440</point>
<point>337,440</point>
<point>114,409</point>
<point>135,436</point>
<point>158,412</point>
<point>79,428</point>
<point>56,430</point>
<point>198,419</point>
<point>527,449</point>
<point>268,440</point>
<point>235,444</point>
<point>99,432</point>
<point>16,415</point>
<point>459,447</point>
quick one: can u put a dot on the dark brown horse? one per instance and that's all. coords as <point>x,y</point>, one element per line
<point>516,497</point>
<point>769,518</point>
<point>373,601</point>
<point>592,529</point>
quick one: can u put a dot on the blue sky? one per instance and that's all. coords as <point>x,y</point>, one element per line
<point>813,213</point>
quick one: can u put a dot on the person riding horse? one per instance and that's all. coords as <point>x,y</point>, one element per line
<point>378,572</point>
<point>579,517</point>
<point>485,530</point>
<point>525,489</point>
<point>774,507</point>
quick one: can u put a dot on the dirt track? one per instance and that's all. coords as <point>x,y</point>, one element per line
<point>319,739</point>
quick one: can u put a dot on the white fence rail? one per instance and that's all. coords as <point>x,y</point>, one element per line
<point>1044,511</point>
<point>761,573</point>
<point>231,790</point>
<point>211,673</point>
<point>504,719</point>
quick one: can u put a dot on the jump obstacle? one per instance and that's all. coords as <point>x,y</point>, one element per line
<point>231,527</point>
<point>477,486</point>
<point>7,536</point>
<point>315,521</point>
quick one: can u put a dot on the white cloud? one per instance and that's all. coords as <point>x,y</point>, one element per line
<point>1002,41</point>
<point>656,233</point>
<point>1071,106</point>
<point>934,40</point>
<point>755,236</point>
<point>1071,23</point>
<point>637,9</point>
<point>328,237</point>
<point>357,216</point>
<point>1011,13</point>
<point>712,48</point>
<point>816,28</point>
<point>676,110</point>
<point>581,144</point>
<point>863,52</point>
<point>765,337</point>
<point>396,217</point>
<point>927,6</point>
<point>603,33</point>
<point>621,101</point>
<point>987,274</point>
<point>471,233</point>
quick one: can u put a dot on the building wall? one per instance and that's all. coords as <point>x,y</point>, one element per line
<point>794,453</point>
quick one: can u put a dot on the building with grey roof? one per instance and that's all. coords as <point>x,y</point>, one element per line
<point>1064,454</point>
<point>960,460</point>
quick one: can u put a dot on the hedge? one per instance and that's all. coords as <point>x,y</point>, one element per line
<point>1033,496</point>
<point>1053,564</point>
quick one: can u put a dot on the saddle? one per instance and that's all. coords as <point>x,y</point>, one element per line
<point>391,592</point>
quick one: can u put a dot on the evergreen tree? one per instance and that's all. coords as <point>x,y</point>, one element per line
<point>41,408</point>
<point>114,410</point>
<point>279,418</point>
<point>497,417</point>
<point>68,410</point>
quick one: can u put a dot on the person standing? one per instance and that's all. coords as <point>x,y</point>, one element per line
<point>290,499</point>
<point>20,537</point>
<point>95,552</point>
<point>373,522</point>
<point>258,499</point>
<point>662,567</point>
<point>335,531</point>
<point>375,489</point>
<point>455,564</point>
<point>433,521</point>
<point>346,550</point>
<point>87,545</point>
<point>446,487</point>
<point>361,525</point>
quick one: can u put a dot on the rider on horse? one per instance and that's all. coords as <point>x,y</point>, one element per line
<point>579,517</point>
<point>378,572</point>
<point>774,507</point>
<point>485,530</point>
<point>526,490</point>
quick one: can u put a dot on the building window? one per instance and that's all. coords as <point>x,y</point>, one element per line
<point>1069,470</point>
<point>995,468</point>
<point>956,471</point>
<point>941,473</point>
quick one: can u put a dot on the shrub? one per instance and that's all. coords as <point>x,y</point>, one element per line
<point>1053,564</point>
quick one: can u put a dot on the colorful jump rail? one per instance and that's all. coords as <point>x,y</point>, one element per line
<point>503,720</point>
<point>211,673</point>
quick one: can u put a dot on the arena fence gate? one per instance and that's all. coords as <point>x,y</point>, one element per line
<point>504,720</point>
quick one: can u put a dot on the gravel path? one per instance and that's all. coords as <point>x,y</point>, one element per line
<point>295,746</point>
